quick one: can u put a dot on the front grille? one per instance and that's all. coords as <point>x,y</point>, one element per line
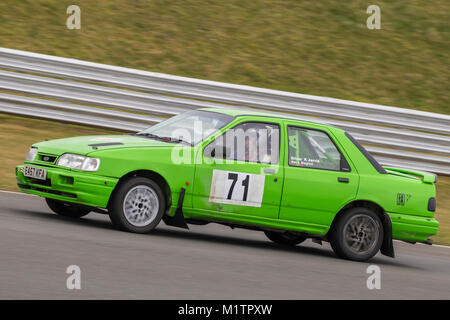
<point>46,158</point>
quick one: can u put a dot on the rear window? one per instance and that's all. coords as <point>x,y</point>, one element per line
<point>368,156</point>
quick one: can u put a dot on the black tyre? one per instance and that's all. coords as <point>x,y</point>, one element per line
<point>284,238</point>
<point>66,209</point>
<point>137,205</point>
<point>357,234</point>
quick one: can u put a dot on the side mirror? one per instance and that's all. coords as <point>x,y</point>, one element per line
<point>220,152</point>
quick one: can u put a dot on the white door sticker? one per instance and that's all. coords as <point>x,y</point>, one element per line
<point>239,188</point>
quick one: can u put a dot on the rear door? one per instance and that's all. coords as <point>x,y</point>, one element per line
<point>319,179</point>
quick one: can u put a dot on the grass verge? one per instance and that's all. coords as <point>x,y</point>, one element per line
<point>314,47</point>
<point>17,134</point>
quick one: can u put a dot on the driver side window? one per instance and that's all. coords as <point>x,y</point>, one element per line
<point>257,142</point>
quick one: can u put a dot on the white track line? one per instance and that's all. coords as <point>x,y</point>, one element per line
<point>32,195</point>
<point>19,193</point>
<point>424,244</point>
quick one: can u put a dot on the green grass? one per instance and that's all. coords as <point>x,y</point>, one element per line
<point>17,134</point>
<point>313,47</point>
<point>443,211</point>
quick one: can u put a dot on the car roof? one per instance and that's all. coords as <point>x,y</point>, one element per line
<point>240,112</point>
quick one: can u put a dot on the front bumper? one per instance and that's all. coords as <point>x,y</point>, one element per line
<point>413,228</point>
<point>69,185</point>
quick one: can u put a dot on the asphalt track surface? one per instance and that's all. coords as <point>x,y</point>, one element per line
<point>206,262</point>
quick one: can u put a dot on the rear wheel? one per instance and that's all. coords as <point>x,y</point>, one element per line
<point>357,234</point>
<point>66,209</point>
<point>137,205</point>
<point>284,238</point>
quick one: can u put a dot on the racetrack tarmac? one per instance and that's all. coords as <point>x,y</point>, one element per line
<point>206,262</point>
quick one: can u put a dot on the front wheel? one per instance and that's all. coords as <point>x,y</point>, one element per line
<point>137,205</point>
<point>66,209</point>
<point>284,238</point>
<point>357,234</point>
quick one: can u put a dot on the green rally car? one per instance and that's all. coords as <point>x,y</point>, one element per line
<point>289,178</point>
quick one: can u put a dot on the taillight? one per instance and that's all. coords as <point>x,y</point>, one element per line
<point>432,204</point>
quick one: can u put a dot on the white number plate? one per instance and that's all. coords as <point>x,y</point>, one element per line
<point>239,188</point>
<point>36,173</point>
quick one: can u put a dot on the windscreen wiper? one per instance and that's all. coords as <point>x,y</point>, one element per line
<point>177,140</point>
<point>148,135</point>
<point>165,139</point>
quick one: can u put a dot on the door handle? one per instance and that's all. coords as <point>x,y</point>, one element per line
<point>269,171</point>
<point>344,180</point>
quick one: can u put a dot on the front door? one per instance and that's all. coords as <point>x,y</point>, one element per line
<point>240,172</point>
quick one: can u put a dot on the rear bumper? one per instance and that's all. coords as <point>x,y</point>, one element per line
<point>413,228</point>
<point>69,185</point>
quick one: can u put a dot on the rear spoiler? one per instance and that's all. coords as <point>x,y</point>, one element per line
<point>426,177</point>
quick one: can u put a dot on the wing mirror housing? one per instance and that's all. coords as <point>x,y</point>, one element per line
<point>220,152</point>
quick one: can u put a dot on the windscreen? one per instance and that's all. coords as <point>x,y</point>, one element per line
<point>191,127</point>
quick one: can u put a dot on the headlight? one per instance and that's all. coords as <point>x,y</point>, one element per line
<point>75,161</point>
<point>90,164</point>
<point>31,155</point>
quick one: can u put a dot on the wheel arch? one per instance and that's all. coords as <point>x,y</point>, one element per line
<point>375,207</point>
<point>153,175</point>
<point>387,247</point>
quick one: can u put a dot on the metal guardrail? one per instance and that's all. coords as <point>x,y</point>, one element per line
<point>130,100</point>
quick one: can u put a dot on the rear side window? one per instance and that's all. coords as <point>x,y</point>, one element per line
<point>313,149</point>
<point>368,156</point>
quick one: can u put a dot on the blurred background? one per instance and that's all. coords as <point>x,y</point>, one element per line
<point>321,48</point>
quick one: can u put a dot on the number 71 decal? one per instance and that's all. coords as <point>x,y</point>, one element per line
<point>239,188</point>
